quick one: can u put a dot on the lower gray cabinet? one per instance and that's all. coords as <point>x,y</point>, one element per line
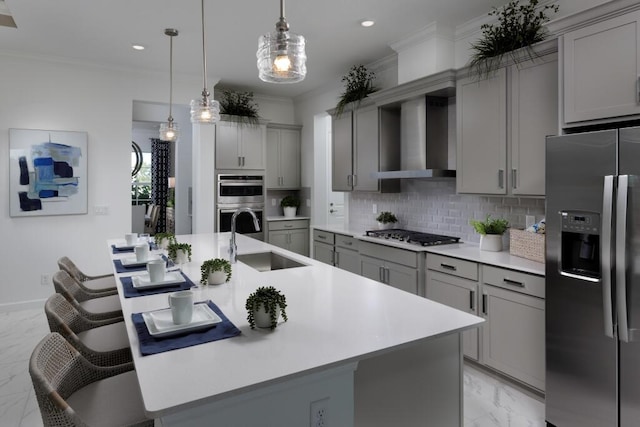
<point>292,235</point>
<point>392,266</point>
<point>346,255</point>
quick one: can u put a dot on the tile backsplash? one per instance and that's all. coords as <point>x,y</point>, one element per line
<point>434,207</point>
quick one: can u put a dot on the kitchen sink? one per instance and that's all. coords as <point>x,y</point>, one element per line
<point>268,261</point>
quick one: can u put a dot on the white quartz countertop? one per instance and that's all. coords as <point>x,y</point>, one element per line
<point>467,251</point>
<point>283,218</point>
<point>335,318</point>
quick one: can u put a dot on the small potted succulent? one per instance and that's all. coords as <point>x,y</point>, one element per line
<point>163,240</point>
<point>215,271</point>
<point>264,307</point>
<point>491,231</point>
<point>290,205</point>
<point>180,253</point>
<point>386,220</point>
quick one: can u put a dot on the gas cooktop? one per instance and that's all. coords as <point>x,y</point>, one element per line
<point>415,237</point>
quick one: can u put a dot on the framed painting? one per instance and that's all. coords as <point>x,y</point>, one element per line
<point>47,172</point>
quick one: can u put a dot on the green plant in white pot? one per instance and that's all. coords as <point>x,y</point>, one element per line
<point>386,220</point>
<point>290,205</point>
<point>180,253</point>
<point>215,271</point>
<point>264,307</point>
<point>163,240</point>
<point>491,231</point>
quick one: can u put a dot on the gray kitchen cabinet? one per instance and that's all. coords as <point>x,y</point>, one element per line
<point>292,235</point>
<point>513,336</point>
<point>346,255</point>
<point>240,146</point>
<point>283,157</point>
<point>323,246</point>
<point>364,141</point>
<point>454,282</point>
<point>502,122</point>
<point>395,267</point>
<point>601,70</point>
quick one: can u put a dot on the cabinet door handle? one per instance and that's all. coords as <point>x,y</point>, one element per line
<point>381,273</point>
<point>484,304</point>
<point>239,161</point>
<point>513,282</point>
<point>354,180</point>
<point>448,266</point>
<point>337,259</point>
<point>347,243</point>
<point>514,177</point>
<point>386,280</point>
<point>348,180</point>
<point>638,90</point>
<point>321,236</point>
<point>500,178</point>
<point>288,226</point>
<point>472,300</point>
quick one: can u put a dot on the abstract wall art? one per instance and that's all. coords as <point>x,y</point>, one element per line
<point>47,172</point>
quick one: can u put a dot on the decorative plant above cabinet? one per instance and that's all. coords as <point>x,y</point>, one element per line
<point>358,84</point>
<point>519,26</point>
<point>239,106</point>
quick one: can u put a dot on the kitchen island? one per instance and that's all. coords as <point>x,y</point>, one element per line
<point>365,353</point>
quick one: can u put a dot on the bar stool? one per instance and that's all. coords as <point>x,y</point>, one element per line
<point>103,343</point>
<point>90,306</point>
<point>71,391</point>
<point>105,283</point>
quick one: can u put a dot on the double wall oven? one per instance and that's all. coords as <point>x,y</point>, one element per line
<point>240,191</point>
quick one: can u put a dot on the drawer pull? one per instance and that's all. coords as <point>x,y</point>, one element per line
<point>513,282</point>
<point>448,266</point>
<point>288,226</point>
<point>320,236</point>
<point>472,300</point>
<point>484,303</point>
<point>347,243</point>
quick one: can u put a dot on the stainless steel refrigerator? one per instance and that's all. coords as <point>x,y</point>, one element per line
<point>593,279</point>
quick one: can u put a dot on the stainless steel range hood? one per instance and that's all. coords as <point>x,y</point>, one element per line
<point>424,140</point>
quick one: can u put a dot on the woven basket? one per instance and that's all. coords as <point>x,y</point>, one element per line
<point>527,245</point>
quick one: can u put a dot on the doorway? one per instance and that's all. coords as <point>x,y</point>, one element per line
<point>329,206</point>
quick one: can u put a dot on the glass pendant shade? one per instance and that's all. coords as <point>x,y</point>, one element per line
<point>169,131</point>
<point>281,57</point>
<point>205,111</point>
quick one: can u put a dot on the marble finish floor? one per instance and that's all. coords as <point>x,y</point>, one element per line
<point>488,402</point>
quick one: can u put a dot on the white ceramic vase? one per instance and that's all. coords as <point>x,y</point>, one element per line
<point>182,257</point>
<point>385,225</point>
<point>216,278</point>
<point>164,244</point>
<point>491,242</point>
<point>262,318</point>
<point>289,211</point>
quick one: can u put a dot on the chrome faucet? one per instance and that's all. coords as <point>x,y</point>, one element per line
<point>233,248</point>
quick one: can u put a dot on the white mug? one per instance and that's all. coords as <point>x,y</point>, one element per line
<point>156,269</point>
<point>142,252</point>
<point>181,304</point>
<point>131,238</point>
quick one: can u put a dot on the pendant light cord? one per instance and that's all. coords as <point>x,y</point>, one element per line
<point>205,93</point>
<point>282,9</point>
<point>170,77</point>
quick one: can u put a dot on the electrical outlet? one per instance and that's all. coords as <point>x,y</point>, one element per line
<point>374,208</point>
<point>529,220</point>
<point>273,202</point>
<point>101,210</point>
<point>308,203</point>
<point>45,280</point>
<point>320,413</point>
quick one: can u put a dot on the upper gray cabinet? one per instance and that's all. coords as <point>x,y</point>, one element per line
<point>283,157</point>
<point>601,70</point>
<point>502,122</point>
<point>365,141</point>
<point>240,146</point>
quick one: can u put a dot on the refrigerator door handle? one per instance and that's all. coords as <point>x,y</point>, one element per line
<point>621,257</point>
<point>605,261</point>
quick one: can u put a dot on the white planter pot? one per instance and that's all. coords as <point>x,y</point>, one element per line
<point>164,243</point>
<point>217,278</point>
<point>491,242</point>
<point>385,226</point>
<point>289,212</point>
<point>263,319</point>
<point>182,257</point>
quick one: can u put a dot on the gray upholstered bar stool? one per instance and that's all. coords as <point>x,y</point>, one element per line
<point>90,306</point>
<point>103,343</point>
<point>71,391</point>
<point>104,284</point>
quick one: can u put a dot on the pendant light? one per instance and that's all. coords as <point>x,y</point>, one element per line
<point>204,111</point>
<point>169,131</point>
<point>281,55</point>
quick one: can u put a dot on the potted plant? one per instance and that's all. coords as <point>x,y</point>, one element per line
<point>264,307</point>
<point>163,240</point>
<point>180,253</point>
<point>519,26</point>
<point>491,231</point>
<point>290,206</point>
<point>386,220</point>
<point>239,106</point>
<point>358,85</point>
<point>215,271</point>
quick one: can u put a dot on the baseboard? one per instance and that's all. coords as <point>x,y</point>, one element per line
<point>22,305</point>
<point>525,388</point>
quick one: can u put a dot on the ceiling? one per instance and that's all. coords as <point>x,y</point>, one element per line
<point>103,32</point>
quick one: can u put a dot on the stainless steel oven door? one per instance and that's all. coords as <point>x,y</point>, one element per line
<point>244,221</point>
<point>240,189</point>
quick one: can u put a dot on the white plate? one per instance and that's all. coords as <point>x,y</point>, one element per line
<point>160,322</point>
<point>124,245</point>
<point>133,262</point>
<point>144,281</point>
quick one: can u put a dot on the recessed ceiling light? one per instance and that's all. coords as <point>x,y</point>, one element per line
<point>367,22</point>
<point>137,46</point>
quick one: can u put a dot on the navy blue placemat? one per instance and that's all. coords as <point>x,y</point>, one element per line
<point>130,292</point>
<point>115,250</point>
<point>122,269</point>
<point>150,345</point>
